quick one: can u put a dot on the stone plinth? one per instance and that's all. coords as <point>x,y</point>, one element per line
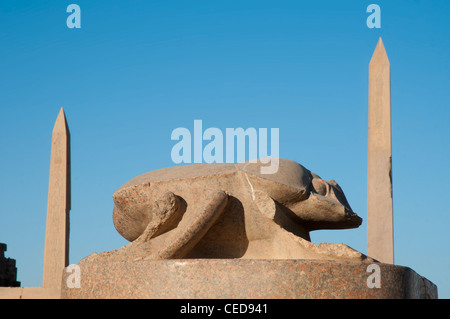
<point>244,278</point>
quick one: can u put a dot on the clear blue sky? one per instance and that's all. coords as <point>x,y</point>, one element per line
<point>136,70</point>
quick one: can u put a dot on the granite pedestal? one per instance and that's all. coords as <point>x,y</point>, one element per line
<point>244,278</point>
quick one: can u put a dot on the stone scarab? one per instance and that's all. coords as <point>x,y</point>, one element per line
<point>230,211</point>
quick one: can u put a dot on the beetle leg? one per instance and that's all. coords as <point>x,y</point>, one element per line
<point>206,211</point>
<point>165,212</point>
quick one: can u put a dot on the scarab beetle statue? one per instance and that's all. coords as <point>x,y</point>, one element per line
<point>230,211</point>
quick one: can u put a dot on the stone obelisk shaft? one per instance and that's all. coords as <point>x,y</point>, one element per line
<point>56,252</point>
<point>380,235</point>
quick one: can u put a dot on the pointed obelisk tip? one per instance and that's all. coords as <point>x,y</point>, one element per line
<point>61,112</point>
<point>61,122</point>
<point>380,45</point>
<point>379,55</point>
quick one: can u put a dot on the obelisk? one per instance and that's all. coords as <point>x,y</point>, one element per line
<point>380,234</point>
<point>56,251</point>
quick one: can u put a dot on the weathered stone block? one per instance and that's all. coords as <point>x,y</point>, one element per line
<point>244,278</point>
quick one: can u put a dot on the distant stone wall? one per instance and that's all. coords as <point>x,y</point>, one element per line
<point>8,270</point>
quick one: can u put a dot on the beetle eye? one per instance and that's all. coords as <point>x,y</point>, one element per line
<point>319,186</point>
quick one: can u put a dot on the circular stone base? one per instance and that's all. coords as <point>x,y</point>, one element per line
<point>244,278</point>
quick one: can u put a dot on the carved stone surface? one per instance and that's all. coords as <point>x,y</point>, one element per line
<point>227,231</point>
<point>230,211</point>
<point>244,278</point>
<point>56,250</point>
<point>380,229</point>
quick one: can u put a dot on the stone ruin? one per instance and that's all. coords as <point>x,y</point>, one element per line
<point>8,270</point>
